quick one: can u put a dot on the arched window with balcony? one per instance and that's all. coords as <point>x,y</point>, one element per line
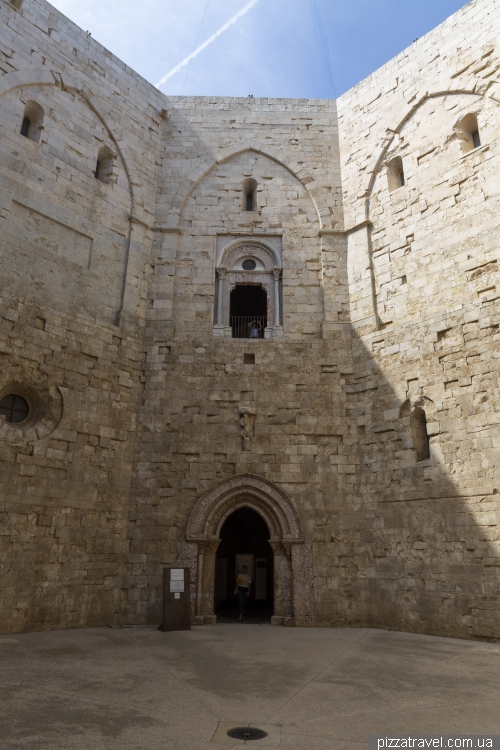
<point>248,291</point>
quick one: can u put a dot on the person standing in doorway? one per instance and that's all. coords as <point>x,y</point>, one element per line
<point>243,583</point>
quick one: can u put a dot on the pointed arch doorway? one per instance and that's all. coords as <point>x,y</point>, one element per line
<point>292,580</point>
<point>244,541</point>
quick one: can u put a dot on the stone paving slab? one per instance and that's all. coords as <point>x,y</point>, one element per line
<point>314,689</point>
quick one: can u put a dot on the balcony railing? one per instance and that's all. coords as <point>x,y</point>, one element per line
<point>248,326</point>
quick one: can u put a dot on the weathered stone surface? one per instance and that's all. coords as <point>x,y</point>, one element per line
<point>387,300</point>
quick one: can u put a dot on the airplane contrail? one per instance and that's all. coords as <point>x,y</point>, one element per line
<point>199,49</point>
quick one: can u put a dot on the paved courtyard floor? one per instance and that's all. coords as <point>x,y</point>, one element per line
<point>310,689</point>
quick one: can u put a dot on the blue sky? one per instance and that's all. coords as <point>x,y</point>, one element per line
<point>279,48</point>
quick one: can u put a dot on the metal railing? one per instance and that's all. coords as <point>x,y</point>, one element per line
<point>248,326</point>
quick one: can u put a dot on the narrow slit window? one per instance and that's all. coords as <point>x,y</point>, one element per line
<point>420,436</point>
<point>32,122</point>
<point>25,126</point>
<point>395,174</point>
<point>105,168</point>
<point>249,195</point>
<point>469,133</point>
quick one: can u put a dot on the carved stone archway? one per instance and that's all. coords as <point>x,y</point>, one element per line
<point>293,603</point>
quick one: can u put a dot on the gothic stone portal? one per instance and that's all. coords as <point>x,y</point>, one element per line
<point>293,602</point>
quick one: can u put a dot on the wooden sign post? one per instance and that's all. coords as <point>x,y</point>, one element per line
<point>176,600</point>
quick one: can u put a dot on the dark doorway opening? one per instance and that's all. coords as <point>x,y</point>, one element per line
<point>248,311</point>
<point>244,540</point>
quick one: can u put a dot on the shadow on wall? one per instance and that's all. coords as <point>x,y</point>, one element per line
<point>411,543</point>
<point>421,552</point>
<point>425,389</point>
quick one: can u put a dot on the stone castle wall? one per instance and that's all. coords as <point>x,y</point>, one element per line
<point>424,304</point>
<point>109,299</point>
<point>73,263</point>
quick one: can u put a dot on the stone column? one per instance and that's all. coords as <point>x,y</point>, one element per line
<point>361,276</point>
<point>221,272</point>
<point>303,584</point>
<point>276,274</point>
<point>283,586</point>
<point>199,579</point>
<point>207,551</point>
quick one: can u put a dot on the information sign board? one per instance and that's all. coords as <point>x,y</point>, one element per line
<point>176,600</point>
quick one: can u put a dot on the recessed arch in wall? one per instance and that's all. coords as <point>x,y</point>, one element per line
<point>10,83</point>
<point>397,129</point>
<point>193,179</point>
<point>381,160</point>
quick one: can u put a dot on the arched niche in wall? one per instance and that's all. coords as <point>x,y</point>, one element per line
<point>248,290</point>
<point>280,156</point>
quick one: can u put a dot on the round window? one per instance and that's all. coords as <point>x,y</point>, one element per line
<point>249,265</point>
<point>14,408</point>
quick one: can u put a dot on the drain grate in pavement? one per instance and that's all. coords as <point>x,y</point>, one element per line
<point>247,733</point>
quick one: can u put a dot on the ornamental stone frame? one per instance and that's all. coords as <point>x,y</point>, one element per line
<point>293,577</point>
<point>268,275</point>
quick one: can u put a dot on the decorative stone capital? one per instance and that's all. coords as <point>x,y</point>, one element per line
<point>221,272</point>
<point>277,273</point>
<point>280,548</point>
<point>209,546</point>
